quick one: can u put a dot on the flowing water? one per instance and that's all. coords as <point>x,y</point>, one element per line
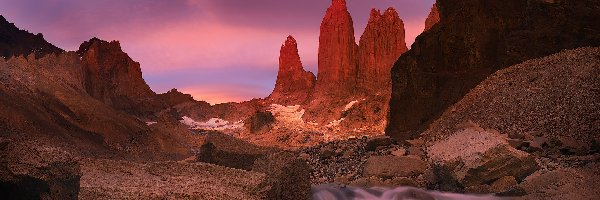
<point>336,192</point>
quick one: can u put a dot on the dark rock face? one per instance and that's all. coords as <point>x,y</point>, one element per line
<point>380,46</point>
<point>115,79</point>
<point>294,85</point>
<point>15,42</point>
<point>433,18</point>
<point>474,39</point>
<point>337,52</point>
<point>261,121</point>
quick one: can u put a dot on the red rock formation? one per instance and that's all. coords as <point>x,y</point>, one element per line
<point>380,46</point>
<point>294,85</point>
<point>115,79</point>
<point>337,51</point>
<point>433,18</point>
<point>173,97</point>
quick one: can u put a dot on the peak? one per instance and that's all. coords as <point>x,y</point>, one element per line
<point>375,12</point>
<point>390,11</point>
<point>338,3</point>
<point>98,43</point>
<point>2,19</point>
<point>290,41</point>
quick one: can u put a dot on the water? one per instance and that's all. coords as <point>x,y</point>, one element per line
<point>336,192</point>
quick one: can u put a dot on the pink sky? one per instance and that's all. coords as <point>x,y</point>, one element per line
<point>216,50</point>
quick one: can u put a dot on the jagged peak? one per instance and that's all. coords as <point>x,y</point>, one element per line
<point>391,12</point>
<point>97,42</point>
<point>338,3</point>
<point>3,20</point>
<point>290,41</point>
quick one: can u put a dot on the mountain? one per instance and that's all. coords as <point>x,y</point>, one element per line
<point>473,40</point>
<point>294,85</point>
<point>112,77</point>
<point>337,57</point>
<point>15,42</point>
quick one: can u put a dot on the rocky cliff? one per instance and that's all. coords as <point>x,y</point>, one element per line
<point>380,46</point>
<point>337,51</point>
<point>433,18</point>
<point>474,39</point>
<point>294,85</point>
<point>15,42</point>
<point>112,77</point>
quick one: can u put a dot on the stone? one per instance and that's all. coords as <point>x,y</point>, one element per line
<point>337,58</point>
<point>477,157</point>
<point>416,142</point>
<point>224,150</point>
<point>416,151</point>
<point>478,189</point>
<point>294,84</point>
<point>570,146</point>
<point>394,166</point>
<point>503,184</point>
<point>399,152</point>
<point>433,18</point>
<point>379,141</point>
<point>288,176</point>
<point>538,144</point>
<point>516,143</point>
<point>259,122</point>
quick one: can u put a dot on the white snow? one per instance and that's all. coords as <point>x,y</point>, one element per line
<point>335,123</point>
<point>349,105</point>
<point>287,114</point>
<point>212,124</point>
<point>150,123</point>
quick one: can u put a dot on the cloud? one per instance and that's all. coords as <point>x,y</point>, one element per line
<point>201,44</point>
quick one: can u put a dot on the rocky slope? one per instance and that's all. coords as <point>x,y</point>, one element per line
<point>474,39</point>
<point>15,42</point>
<point>294,85</point>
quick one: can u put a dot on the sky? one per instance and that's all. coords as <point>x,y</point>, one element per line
<point>216,50</point>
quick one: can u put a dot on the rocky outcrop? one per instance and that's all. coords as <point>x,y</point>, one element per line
<point>15,42</point>
<point>173,97</point>
<point>294,85</point>
<point>115,79</point>
<point>259,122</point>
<point>228,151</point>
<point>475,157</point>
<point>472,41</point>
<point>433,18</point>
<point>337,52</point>
<point>380,46</point>
<point>288,176</point>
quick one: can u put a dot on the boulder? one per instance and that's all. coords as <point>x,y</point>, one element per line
<point>259,122</point>
<point>288,177</point>
<point>394,166</point>
<point>477,157</point>
<point>224,150</point>
<point>378,141</point>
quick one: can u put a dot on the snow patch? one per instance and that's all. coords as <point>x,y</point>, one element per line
<point>287,114</point>
<point>150,123</point>
<point>349,105</point>
<point>335,123</point>
<point>215,124</point>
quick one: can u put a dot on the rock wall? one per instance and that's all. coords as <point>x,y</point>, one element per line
<point>474,39</point>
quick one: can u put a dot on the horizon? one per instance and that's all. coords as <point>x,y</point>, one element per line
<point>188,44</point>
